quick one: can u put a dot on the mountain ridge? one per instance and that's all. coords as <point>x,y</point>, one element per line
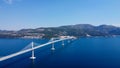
<point>78,30</point>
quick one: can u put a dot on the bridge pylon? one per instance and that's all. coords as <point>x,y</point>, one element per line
<point>33,54</point>
<point>53,47</point>
<point>63,43</point>
<point>68,40</point>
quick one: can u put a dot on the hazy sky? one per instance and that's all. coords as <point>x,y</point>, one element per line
<point>18,14</point>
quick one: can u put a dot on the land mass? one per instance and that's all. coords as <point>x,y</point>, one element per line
<point>79,30</point>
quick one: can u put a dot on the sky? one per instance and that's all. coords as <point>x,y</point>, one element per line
<point>20,14</point>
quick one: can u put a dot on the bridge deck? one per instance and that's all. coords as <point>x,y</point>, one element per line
<point>28,50</point>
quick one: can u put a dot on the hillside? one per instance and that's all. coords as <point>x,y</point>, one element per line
<point>72,30</point>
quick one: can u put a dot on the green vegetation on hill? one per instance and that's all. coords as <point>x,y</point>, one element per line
<point>79,30</point>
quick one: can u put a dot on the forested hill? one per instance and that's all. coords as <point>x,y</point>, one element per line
<point>72,30</point>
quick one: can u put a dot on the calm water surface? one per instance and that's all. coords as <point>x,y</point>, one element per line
<point>99,52</point>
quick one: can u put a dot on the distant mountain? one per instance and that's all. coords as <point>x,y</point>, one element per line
<point>79,30</point>
<point>80,26</point>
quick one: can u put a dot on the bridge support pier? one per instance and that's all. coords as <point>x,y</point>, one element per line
<point>68,40</point>
<point>63,43</point>
<point>33,54</point>
<point>53,47</point>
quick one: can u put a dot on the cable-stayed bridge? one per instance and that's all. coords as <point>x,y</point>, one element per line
<point>52,41</point>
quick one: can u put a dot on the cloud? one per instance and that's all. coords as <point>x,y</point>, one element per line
<point>10,1</point>
<point>118,25</point>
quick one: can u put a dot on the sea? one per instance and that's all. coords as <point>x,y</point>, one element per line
<point>84,52</point>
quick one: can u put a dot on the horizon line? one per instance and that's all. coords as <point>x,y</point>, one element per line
<point>116,25</point>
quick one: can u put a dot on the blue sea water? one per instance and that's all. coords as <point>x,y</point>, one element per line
<point>94,52</point>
